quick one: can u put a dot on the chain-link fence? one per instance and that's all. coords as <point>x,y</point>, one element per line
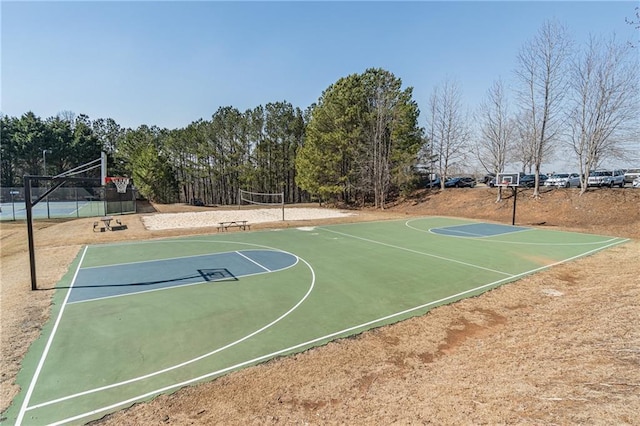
<point>67,202</point>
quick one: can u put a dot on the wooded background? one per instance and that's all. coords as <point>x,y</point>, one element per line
<point>361,142</point>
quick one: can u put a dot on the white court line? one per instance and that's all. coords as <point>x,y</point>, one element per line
<point>419,252</point>
<point>135,262</point>
<point>319,339</point>
<point>34,379</point>
<point>179,285</point>
<point>172,287</point>
<point>253,261</point>
<point>486,238</point>
<point>191,361</point>
<point>475,236</point>
<point>456,231</point>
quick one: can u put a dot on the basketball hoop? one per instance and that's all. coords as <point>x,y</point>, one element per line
<point>121,183</point>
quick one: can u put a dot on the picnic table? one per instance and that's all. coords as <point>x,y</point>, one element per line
<point>106,220</point>
<point>241,224</point>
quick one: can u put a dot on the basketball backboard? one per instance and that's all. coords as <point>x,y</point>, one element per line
<point>508,179</point>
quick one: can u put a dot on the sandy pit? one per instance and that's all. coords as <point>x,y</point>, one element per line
<point>253,216</point>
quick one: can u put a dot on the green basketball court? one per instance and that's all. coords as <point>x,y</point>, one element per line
<point>134,320</point>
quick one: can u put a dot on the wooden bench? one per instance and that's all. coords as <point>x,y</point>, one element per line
<point>241,224</point>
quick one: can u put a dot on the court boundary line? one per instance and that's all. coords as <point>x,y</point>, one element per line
<point>172,287</point>
<point>419,252</point>
<point>193,360</point>
<point>475,236</point>
<point>25,403</point>
<point>160,391</point>
<point>267,271</point>
<point>153,260</point>
<point>408,225</point>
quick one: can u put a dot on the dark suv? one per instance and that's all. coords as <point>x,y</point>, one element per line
<point>529,181</point>
<point>460,182</point>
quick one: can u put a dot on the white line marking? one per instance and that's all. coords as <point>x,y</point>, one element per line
<point>319,339</point>
<point>486,238</point>
<point>135,262</point>
<point>178,285</point>
<point>420,252</point>
<point>475,236</point>
<point>163,288</point>
<point>191,361</point>
<point>34,379</point>
<point>450,232</point>
<point>253,261</point>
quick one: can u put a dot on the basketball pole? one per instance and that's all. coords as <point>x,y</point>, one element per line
<point>29,204</point>
<point>58,181</point>
<point>515,199</point>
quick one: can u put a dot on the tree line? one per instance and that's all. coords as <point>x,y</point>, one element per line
<point>361,141</point>
<point>354,145</point>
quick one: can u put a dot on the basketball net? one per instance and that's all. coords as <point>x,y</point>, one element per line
<point>120,183</point>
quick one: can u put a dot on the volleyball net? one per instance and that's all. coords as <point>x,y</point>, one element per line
<point>263,199</point>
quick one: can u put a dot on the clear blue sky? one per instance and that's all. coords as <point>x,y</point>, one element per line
<point>171,63</point>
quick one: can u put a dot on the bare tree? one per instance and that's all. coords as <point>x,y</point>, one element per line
<point>448,127</point>
<point>635,21</point>
<point>522,149</point>
<point>497,131</point>
<point>604,113</point>
<point>542,71</point>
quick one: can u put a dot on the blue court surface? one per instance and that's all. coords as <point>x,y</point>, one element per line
<point>478,230</point>
<point>118,280</point>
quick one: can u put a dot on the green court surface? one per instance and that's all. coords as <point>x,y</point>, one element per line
<point>134,320</point>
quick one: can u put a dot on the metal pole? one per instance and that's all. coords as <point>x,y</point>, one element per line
<point>32,251</point>
<point>515,199</point>
<point>44,161</point>
<point>13,206</point>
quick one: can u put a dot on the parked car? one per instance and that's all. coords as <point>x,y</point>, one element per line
<point>529,181</point>
<point>433,183</point>
<point>631,175</point>
<point>488,178</point>
<point>636,183</point>
<point>563,180</point>
<point>460,182</point>
<point>608,178</point>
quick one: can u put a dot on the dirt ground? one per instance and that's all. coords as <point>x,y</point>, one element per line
<point>559,347</point>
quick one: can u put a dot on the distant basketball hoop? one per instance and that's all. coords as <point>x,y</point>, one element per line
<point>510,180</point>
<point>121,183</point>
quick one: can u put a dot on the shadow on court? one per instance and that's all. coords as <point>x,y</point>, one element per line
<point>210,275</point>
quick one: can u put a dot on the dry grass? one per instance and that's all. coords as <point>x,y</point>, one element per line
<point>562,346</point>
